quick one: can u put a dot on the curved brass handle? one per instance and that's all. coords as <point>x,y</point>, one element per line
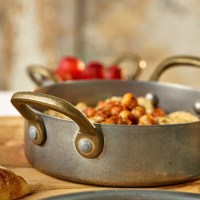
<point>141,64</point>
<point>37,72</point>
<point>174,61</point>
<point>88,142</point>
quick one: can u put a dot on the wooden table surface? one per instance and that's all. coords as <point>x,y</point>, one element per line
<point>12,156</point>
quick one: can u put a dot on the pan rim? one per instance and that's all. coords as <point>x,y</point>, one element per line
<point>144,193</point>
<point>162,83</point>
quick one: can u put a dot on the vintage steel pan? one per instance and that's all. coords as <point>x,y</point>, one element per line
<point>112,155</point>
<point>127,195</point>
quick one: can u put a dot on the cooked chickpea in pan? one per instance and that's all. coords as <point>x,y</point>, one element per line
<point>138,112</point>
<point>129,110</point>
<point>146,120</point>
<point>129,101</point>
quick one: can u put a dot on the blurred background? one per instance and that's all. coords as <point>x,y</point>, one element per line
<point>43,31</point>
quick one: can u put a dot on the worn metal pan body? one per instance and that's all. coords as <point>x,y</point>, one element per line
<point>110,155</point>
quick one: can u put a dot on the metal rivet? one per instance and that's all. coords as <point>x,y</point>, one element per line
<point>153,98</point>
<point>32,132</point>
<point>85,145</point>
<point>197,107</point>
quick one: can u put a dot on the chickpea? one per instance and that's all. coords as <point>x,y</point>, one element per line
<point>125,114</point>
<point>101,104</point>
<point>108,106</point>
<point>105,106</point>
<point>111,120</point>
<point>103,113</point>
<point>138,111</point>
<point>129,101</point>
<point>97,119</point>
<point>114,99</point>
<point>158,112</point>
<point>118,104</point>
<point>124,121</point>
<point>146,120</point>
<point>90,112</point>
<point>81,106</point>
<point>115,110</point>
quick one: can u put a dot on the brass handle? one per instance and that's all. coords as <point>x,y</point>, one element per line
<point>88,142</point>
<point>174,61</point>
<point>140,64</point>
<point>37,72</point>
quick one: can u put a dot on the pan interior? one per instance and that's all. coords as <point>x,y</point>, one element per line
<point>172,97</point>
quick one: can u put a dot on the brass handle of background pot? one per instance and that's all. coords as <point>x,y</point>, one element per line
<point>140,64</point>
<point>37,72</point>
<point>174,61</point>
<point>88,142</point>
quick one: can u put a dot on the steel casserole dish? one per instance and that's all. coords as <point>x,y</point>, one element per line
<point>112,155</point>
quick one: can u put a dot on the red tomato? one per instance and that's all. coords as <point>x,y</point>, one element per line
<point>113,72</point>
<point>93,70</point>
<point>69,68</point>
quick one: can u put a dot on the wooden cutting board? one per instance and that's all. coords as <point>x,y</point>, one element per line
<point>12,156</point>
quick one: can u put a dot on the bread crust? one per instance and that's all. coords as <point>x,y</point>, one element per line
<point>12,186</point>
